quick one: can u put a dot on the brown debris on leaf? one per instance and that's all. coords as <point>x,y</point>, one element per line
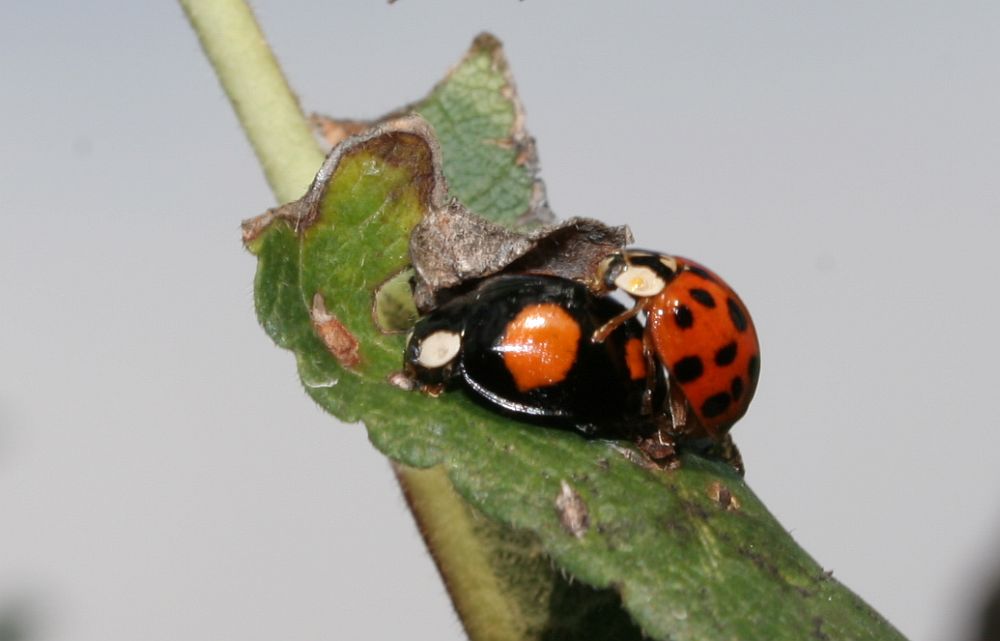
<point>453,247</point>
<point>573,249</point>
<point>573,513</point>
<point>723,496</point>
<point>338,339</point>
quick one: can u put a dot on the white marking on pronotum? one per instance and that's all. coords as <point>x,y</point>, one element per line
<point>438,349</point>
<point>669,262</point>
<point>639,281</point>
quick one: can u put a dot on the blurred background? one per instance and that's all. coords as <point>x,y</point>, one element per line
<point>163,476</point>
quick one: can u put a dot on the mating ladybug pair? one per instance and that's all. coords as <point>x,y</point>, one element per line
<point>553,351</point>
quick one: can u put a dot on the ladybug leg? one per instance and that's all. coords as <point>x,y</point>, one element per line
<point>605,330</point>
<point>661,449</point>
<point>725,450</point>
<point>651,371</point>
<point>587,429</point>
<point>636,457</point>
<point>433,390</point>
<point>681,422</point>
<point>661,446</point>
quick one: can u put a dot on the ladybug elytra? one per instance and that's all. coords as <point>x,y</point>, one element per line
<point>523,344</point>
<point>700,331</point>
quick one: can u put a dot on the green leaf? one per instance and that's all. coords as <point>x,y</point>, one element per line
<point>394,309</point>
<point>693,554</point>
<point>489,159</point>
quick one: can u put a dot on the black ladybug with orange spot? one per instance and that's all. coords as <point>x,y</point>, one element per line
<point>523,344</point>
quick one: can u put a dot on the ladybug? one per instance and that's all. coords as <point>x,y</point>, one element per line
<point>523,344</point>
<point>701,332</point>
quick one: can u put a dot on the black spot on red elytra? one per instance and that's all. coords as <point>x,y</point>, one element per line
<point>726,354</point>
<point>736,315</point>
<point>683,317</point>
<point>716,404</point>
<point>688,369</point>
<point>736,388</point>
<point>753,369</point>
<point>702,297</point>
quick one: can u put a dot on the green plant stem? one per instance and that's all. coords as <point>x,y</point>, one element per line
<point>265,105</point>
<point>449,529</point>
<point>273,121</point>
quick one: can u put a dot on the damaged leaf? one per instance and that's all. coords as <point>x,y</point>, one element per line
<point>693,554</point>
<point>454,246</point>
<point>572,511</point>
<point>489,157</point>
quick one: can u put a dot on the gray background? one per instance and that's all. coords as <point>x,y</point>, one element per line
<point>162,475</point>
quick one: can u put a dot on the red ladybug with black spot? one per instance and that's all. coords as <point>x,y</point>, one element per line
<point>699,329</point>
<point>523,344</point>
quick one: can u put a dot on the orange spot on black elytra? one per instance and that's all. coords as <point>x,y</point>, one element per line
<point>540,346</point>
<point>635,359</point>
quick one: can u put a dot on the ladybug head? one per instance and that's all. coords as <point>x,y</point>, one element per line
<point>636,272</point>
